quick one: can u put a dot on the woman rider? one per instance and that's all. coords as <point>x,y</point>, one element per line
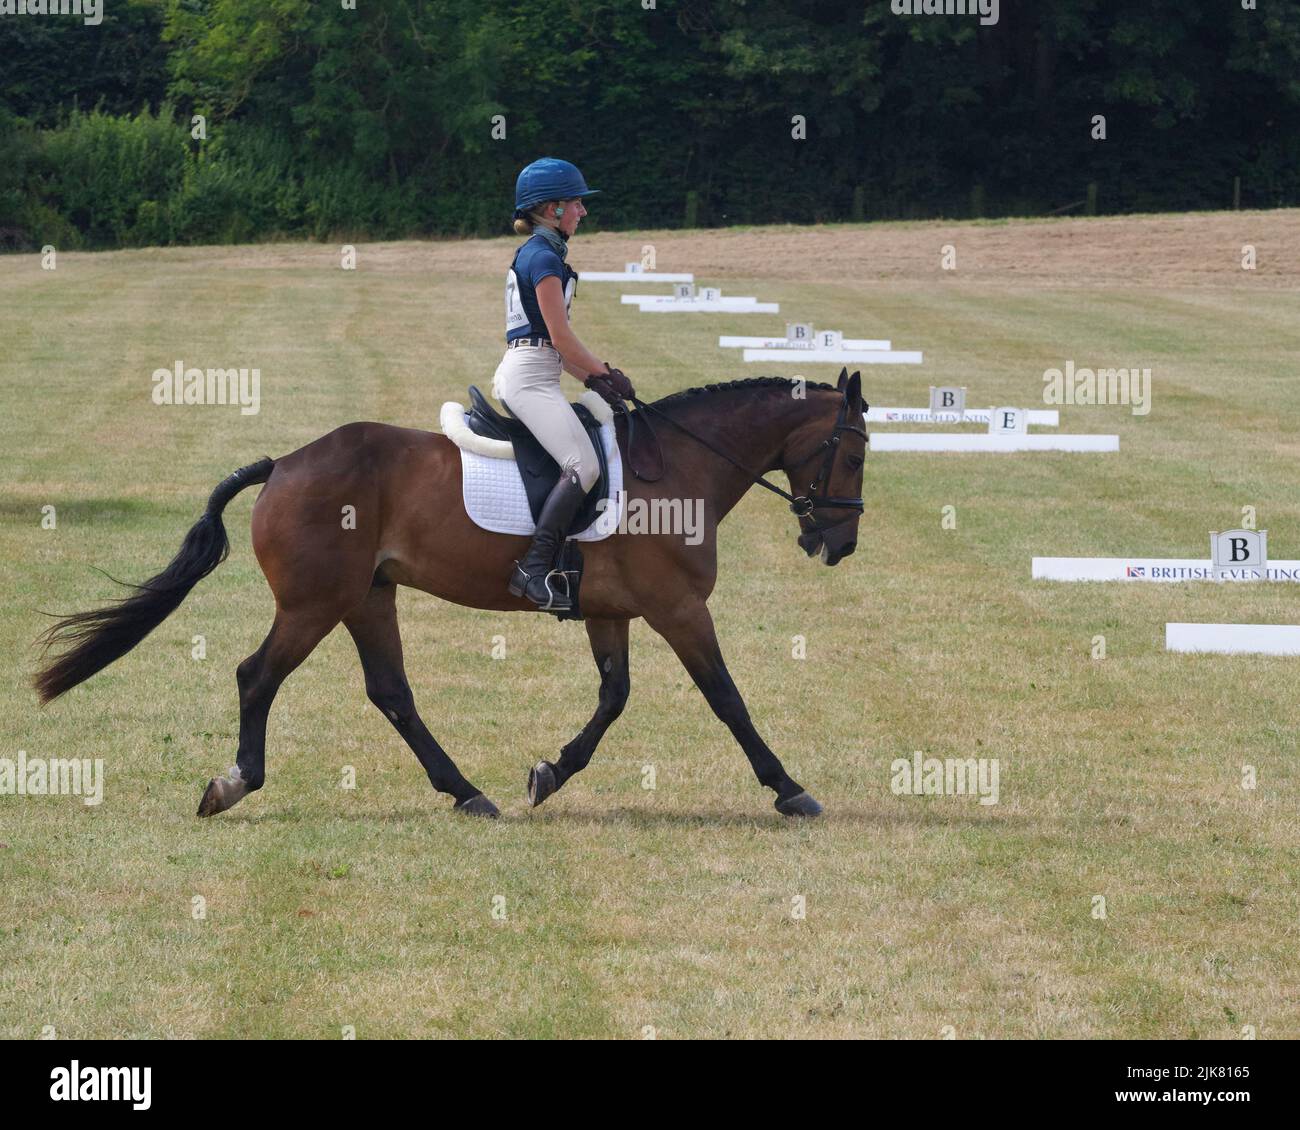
<point>539,343</point>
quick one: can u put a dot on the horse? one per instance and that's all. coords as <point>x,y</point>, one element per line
<point>409,526</point>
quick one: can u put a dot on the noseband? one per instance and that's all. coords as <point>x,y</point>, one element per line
<point>802,506</point>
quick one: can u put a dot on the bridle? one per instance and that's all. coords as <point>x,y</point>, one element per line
<point>802,506</point>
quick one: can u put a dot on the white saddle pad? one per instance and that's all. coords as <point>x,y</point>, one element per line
<point>493,489</point>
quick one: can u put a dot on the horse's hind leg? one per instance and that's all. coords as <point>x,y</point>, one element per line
<point>609,649</point>
<point>373,625</point>
<point>291,639</point>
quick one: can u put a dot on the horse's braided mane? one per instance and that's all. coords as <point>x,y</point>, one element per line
<point>727,386</point>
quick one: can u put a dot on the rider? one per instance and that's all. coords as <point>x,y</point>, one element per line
<point>539,343</point>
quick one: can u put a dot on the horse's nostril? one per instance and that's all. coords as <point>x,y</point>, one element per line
<point>848,549</point>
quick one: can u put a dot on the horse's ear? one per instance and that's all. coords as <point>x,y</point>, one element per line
<point>844,379</point>
<point>853,389</point>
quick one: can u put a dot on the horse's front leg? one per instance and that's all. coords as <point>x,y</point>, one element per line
<point>688,628</point>
<point>609,648</point>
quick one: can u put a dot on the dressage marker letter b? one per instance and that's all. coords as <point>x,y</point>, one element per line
<point>1236,550</point>
<point>948,399</point>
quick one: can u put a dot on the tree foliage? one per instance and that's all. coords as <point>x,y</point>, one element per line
<point>384,120</point>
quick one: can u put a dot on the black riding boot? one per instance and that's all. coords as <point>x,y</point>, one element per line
<point>530,575</point>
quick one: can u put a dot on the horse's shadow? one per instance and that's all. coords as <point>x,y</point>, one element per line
<point>634,818</point>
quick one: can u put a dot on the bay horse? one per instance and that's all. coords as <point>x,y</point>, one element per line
<point>403,487</point>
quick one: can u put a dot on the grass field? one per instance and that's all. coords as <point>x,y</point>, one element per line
<point>625,908</point>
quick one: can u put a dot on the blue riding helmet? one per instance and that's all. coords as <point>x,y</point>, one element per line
<point>549,178</point>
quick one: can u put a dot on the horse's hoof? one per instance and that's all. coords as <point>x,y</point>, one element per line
<point>541,782</point>
<point>801,804</point>
<point>221,793</point>
<point>478,805</point>
<point>210,803</point>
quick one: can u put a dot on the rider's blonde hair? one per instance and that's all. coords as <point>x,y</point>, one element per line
<point>527,223</point>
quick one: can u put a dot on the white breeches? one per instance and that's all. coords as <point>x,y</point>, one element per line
<point>527,382</point>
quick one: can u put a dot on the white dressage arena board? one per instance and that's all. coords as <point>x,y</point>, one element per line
<point>939,441</point>
<point>863,343</point>
<point>1161,570</point>
<point>631,276</point>
<point>1041,417</point>
<point>646,299</point>
<point>698,306</point>
<point>1234,639</point>
<point>835,356</point>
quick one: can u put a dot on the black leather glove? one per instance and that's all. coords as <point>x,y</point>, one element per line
<point>612,385</point>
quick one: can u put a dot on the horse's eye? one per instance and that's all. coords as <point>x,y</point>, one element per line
<point>854,461</point>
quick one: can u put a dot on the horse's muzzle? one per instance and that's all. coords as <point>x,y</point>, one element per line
<point>835,556</point>
<point>810,542</point>
<point>814,542</point>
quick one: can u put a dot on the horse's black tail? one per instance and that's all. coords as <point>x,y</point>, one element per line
<point>92,640</point>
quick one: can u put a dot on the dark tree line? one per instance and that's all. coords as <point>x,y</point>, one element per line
<point>386,120</point>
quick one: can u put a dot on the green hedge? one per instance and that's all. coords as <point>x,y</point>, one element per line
<point>375,122</point>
